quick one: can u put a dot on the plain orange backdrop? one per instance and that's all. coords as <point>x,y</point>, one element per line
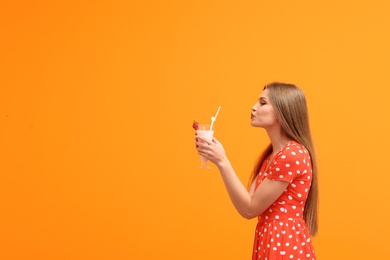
<point>96,104</point>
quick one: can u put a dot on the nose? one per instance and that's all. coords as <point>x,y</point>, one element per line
<point>254,108</point>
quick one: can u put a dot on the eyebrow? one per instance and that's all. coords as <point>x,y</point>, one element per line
<point>262,98</point>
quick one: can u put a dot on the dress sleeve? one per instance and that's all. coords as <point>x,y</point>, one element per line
<point>287,164</point>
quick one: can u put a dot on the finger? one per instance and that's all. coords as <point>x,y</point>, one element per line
<point>202,143</point>
<point>201,147</point>
<point>200,139</point>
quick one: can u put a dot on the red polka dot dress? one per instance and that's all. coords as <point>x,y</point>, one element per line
<point>281,232</point>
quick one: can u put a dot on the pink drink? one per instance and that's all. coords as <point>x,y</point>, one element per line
<point>204,132</point>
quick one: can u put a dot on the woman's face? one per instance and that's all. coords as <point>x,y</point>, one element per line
<point>263,114</point>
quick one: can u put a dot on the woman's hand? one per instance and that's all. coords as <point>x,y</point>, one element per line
<point>213,150</point>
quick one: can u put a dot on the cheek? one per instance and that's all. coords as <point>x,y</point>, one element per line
<point>272,115</point>
<point>269,116</point>
<point>265,112</point>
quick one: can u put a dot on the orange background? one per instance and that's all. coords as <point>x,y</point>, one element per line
<point>97,100</point>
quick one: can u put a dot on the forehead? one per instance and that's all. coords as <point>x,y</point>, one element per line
<point>264,94</point>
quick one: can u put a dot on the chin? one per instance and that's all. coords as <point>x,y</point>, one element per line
<point>257,124</point>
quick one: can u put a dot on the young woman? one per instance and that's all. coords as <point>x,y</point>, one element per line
<point>283,188</point>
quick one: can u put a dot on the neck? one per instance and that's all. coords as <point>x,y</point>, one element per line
<point>278,139</point>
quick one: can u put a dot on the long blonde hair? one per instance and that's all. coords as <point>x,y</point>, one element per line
<point>289,104</point>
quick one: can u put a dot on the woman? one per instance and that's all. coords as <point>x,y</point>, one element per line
<point>283,187</point>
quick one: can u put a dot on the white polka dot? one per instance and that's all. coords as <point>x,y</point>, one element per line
<point>287,165</point>
<point>294,207</point>
<point>277,169</point>
<point>290,197</point>
<point>282,252</point>
<point>283,156</point>
<point>295,247</point>
<point>287,244</point>
<point>281,176</point>
<point>293,153</point>
<point>277,217</point>
<point>297,162</point>
<point>299,195</point>
<point>298,172</point>
<point>297,214</point>
<point>274,248</point>
<point>293,185</point>
<point>291,256</point>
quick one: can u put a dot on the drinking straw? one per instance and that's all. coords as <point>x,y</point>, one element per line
<point>213,118</point>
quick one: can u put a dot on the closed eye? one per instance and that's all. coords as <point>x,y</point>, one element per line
<point>262,101</point>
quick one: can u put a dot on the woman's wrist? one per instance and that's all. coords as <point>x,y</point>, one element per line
<point>223,163</point>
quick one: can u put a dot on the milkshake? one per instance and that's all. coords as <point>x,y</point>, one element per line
<point>204,132</point>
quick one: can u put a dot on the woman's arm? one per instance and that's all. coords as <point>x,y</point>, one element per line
<point>252,188</point>
<point>247,204</point>
<point>250,206</point>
